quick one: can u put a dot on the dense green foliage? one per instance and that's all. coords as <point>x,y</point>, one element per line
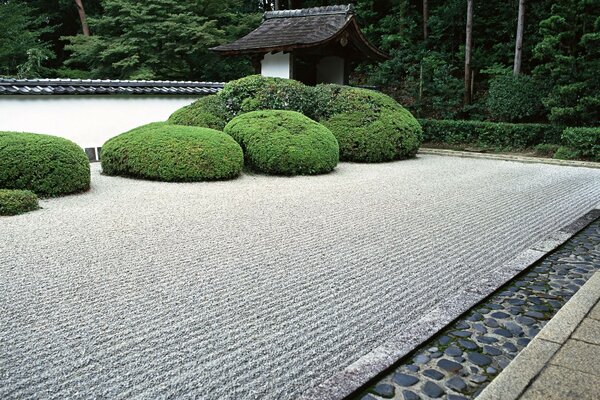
<point>169,39</point>
<point>172,153</point>
<point>47,165</point>
<point>584,141</point>
<point>13,202</point>
<point>257,92</point>
<point>369,126</point>
<point>515,98</point>
<point>284,143</point>
<point>207,112</point>
<point>501,136</point>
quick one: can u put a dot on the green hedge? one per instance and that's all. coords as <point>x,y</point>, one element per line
<point>207,112</point>
<point>284,142</point>
<point>515,98</point>
<point>585,142</point>
<point>369,126</point>
<point>46,165</point>
<point>165,152</point>
<point>257,92</point>
<point>489,134</point>
<point>13,202</point>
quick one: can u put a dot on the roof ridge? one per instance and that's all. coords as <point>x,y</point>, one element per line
<point>104,82</point>
<point>344,9</point>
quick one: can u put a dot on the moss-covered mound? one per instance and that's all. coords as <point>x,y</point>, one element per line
<point>369,126</point>
<point>13,202</point>
<point>207,112</point>
<point>257,92</point>
<point>284,143</point>
<point>46,165</point>
<point>172,153</point>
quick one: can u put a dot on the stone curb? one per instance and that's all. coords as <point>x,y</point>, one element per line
<point>365,369</point>
<point>514,380</point>
<point>506,157</point>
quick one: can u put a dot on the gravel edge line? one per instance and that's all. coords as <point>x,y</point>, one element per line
<point>372,364</point>
<point>506,157</point>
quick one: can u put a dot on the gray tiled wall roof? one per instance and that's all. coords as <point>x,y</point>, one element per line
<point>90,86</point>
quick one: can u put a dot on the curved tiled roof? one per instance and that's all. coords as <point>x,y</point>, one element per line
<point>304,28</point>
<point>91,86</point>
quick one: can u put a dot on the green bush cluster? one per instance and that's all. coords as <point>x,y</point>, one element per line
<point>515,98</point>
<point>257,92</point>
<point>497,135</point>
<point>369,126</point>
<point>284,142</point>
<point>161,151</point>
<point>47,165</point>
<point>207,112</point>
<point>14,201</point>
<point>581,143</point>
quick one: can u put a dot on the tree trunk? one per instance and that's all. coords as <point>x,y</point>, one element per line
<point>81,10</point>
<point>468,48</point>
<point>425,18</point>
<point>519,41</point>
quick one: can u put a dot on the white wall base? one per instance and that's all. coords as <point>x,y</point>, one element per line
<point>277,65</point>
<point>88,121</point>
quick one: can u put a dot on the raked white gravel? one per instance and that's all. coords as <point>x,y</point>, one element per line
<point>260,287</point>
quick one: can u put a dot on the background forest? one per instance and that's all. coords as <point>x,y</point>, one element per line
<point>557,80</point>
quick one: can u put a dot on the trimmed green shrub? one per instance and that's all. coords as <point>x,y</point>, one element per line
<point>173,153</point>
<point>585,141</point>
<point>13,202</point>
<point>207,112</point>
<point>369,126</point>
<point>489,134</point>
<point>546,149</point>
<point>566,153</point>
<point>46,165</point>
<point>257,92</point>
<point>515,98</point>
<point>284,142</point>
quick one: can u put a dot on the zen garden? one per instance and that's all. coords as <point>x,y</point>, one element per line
<point>300,200</point>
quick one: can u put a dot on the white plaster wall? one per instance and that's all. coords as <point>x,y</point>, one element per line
<point>277,65</point>
<point>89,121</point>
<point>330,70</point>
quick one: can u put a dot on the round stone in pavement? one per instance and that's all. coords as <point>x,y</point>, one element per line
<point>412,368</point>
<point>385,390</point>
<point>500,314</point>
<point>433,390</point>
<point>433,374</point>
<point>492,323</point>
<point>525,320</point>
<point>449,365</point>
<point>405,380</point>
<point>477,378</point>
<point>503,332</point>
<point>510,347</point>
<point>492,351</point>
<point>368,397</point>
<point>408,395</point>
<point>456,384</point>
<point>421,359</point>
<point>468,344</point>
<point>453,351</point>
<point>479,359</point>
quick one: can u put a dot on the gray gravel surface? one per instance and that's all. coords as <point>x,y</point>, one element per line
<point>261,287</point>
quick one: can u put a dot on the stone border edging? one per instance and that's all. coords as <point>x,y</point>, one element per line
<point>514,380</point>
<point>506,157</point>
<point>378,360</point>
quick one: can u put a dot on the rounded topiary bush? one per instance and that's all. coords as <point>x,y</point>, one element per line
<point>173,153</point>
<point>208,112</point>
<point>46,165</point>
<point>257,92</point>
<point>13,202</point>
<point>369,126</point>
<point>284,142</point>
